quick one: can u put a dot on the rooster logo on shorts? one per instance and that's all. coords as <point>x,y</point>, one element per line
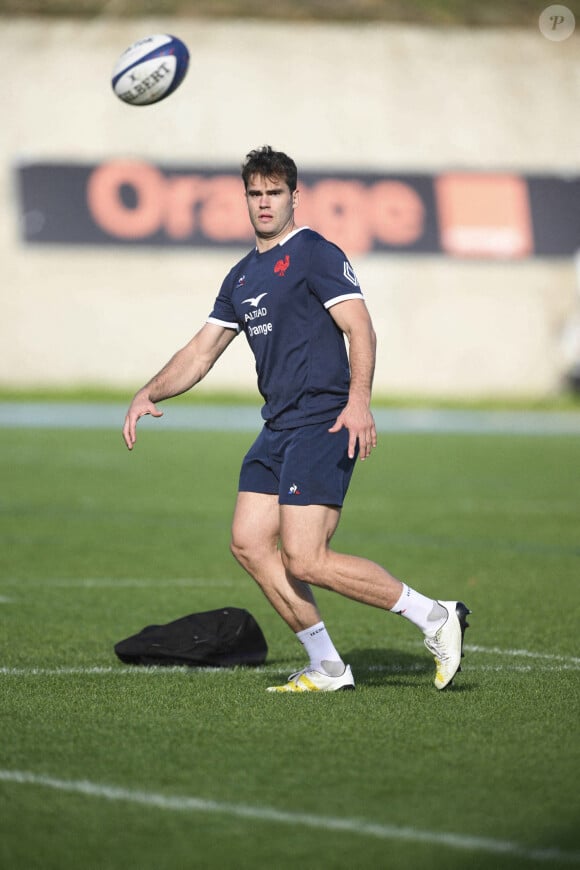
<point>294,490</point>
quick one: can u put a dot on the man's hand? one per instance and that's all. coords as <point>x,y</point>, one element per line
<point>139,407</point>
<point>357,418</point>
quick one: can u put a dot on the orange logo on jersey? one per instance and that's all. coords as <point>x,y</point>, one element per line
<point>282,265</point>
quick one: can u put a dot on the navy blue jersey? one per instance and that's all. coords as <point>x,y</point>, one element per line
<point>281,300</point>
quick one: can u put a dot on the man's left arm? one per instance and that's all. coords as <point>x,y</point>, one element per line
<point>353,318</point>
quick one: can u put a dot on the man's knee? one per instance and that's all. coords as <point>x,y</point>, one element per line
<point>255,528</point>
<point>250,550</point>
<point>304,566</point>
<point>241,550</point>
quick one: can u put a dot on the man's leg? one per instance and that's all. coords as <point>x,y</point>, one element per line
<point>305,534</point>
<point>255,536</point>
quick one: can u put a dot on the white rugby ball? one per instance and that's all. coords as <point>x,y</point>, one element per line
<point>150,69</point>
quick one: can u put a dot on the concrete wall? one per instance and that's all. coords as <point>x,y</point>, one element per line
<point>370,97</point>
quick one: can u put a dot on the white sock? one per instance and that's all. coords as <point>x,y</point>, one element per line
<point>423,612</point>
<point>321,650</point>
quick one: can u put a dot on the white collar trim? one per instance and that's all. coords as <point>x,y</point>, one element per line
<point>291,235</point>
<point>286,238</point>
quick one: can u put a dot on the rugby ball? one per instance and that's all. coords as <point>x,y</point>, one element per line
<point>150,69</point>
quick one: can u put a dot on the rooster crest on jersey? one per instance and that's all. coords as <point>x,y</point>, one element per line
<point>292,334</point>
<point>282,265</point>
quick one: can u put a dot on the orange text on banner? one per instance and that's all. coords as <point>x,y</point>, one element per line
<point>353,214</point>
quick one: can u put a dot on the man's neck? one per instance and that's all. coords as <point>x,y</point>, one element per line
<point>265,243</point>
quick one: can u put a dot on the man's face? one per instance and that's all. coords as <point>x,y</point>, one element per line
<point>270,206</point>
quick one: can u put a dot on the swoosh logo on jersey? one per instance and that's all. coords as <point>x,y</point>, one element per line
<point>254,301</point>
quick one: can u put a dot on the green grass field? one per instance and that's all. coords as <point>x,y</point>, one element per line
<point>107,766</point>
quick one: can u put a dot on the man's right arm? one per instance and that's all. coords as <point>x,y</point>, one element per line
<point>185,369</point>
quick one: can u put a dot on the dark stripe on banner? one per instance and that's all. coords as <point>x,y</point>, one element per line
<point>499,215</point>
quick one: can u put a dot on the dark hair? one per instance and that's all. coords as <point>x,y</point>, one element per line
<point>270,164</point>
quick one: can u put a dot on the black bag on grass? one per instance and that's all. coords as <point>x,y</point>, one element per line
<point>217,638</point>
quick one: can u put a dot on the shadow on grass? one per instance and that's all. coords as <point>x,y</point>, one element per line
<point>380,667</point>
<point>371,667</point>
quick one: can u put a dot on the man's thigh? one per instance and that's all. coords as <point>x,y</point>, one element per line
<point>256,519</point>
<point>306,530</point>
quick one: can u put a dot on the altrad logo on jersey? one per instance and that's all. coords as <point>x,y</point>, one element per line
<point>281,266</point>
<point>256,314</point>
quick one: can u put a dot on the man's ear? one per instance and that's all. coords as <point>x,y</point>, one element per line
<point>295,198</point>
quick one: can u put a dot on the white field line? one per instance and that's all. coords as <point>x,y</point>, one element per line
<point>132,670</point>
<point>542,662</point>
<point>359,827</point>
<point>524,653</point>
<point>110,670</point>
<point>111,582</point>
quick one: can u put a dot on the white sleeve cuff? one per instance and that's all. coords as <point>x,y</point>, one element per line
<point>223,323</point>
<point>346,296</point>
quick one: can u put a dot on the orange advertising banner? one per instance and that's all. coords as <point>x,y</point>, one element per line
<point>458,214</point>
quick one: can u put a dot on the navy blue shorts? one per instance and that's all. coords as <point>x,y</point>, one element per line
<point>308,465</point>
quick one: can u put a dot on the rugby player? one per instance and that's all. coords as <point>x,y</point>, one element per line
<point>296,298</point>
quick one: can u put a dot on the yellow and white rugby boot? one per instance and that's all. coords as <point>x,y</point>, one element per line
<point>446,645</point>
<point>309,680</point>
